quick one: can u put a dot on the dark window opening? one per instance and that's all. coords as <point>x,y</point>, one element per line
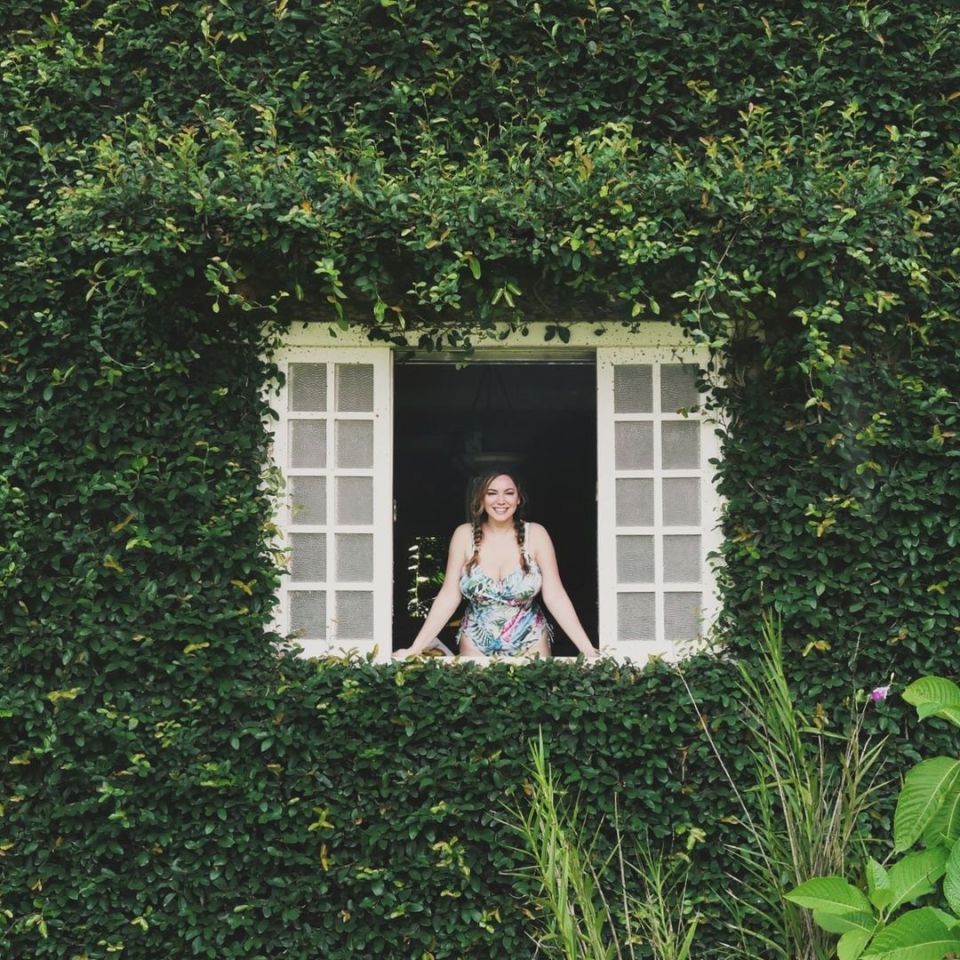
<point>448,424</point>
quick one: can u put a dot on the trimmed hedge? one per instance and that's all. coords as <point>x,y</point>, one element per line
<point>344,810</point>
<point>180,183</point>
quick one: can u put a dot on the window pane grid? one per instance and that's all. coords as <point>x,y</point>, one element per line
<point>331,421</point>
<point>661,604</point>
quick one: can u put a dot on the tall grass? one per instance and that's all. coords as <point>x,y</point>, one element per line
<point>803,808</point>
<point>580,918</point>
<point>804,812</point>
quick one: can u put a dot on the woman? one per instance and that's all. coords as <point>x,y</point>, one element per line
<point>499,563</point>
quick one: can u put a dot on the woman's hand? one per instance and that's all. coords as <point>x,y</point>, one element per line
<point>404,653</point>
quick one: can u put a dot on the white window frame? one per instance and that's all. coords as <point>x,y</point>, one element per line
<point>653,343</point>
<point>381,358</point>
<point>708,529</point>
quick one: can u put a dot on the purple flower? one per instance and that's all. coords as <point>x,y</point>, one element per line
<point>879,693</point>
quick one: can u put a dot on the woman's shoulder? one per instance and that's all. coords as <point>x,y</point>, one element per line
<point>462,534</point>
<point>537,534</point>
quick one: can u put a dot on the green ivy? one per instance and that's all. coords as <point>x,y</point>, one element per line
<point>340,810</point>
<point>181,182</point>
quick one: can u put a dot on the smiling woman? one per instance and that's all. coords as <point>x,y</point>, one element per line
<point>499,564</point>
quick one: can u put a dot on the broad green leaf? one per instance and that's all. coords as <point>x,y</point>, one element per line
<point>917,935</point>
<point>923,793</point>
<point>944,828</point>
<point>832,923</point>
<point>878,884</point>
<point>951,882</point>
<point>915,875</point>
<point>832,895</point>
<point>851,944</point>
<point>939,710</point>
<point>935,697</point>
<point>932,690</point>
<point>949,920</point>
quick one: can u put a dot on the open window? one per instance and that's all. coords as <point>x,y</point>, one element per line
<point>333,444</point>
<point>657,510</point>
<point>376,451</point>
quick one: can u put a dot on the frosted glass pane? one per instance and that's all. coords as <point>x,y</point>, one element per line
<point>633,388</point>
<point>354,499</point>
<point>308,614</point>
<point>681,444</point>
<point>635,559</point>
<point>354,443</point>
<point>681,616</point>
<point>681,559</point>
<point>634,503</point>
<point>636,616</point>
<point>681,502</point>
<point>354,556</point>
<point>354,386</point>
<point>678,387</point>
<point>307,386</point>
<point>308,556</point>
<point>354,615</point>
<point>633,445</point>
<point>308,499</point>
<point>308,443</point>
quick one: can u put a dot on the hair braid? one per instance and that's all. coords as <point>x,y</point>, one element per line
<point>477,523</point>
<point>521,529</point>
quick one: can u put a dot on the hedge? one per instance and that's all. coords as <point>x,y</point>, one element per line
<point>179,184</point>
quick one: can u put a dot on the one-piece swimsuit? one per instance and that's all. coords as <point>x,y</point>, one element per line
<point>503,617</point>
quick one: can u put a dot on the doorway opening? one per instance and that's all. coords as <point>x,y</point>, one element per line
<point>449,424</point>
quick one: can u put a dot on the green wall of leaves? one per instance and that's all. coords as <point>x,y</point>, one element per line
<point>180,182</point>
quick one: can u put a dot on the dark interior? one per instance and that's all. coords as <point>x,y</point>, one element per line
<point>449,424</point>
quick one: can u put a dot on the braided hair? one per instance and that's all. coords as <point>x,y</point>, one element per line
<point>477,515</point>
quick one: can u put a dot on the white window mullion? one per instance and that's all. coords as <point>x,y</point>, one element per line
<point>331,507</point>
<point>606,506</point>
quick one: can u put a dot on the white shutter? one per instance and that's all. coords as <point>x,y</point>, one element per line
<point>333,443</point>
<point>657,509</point>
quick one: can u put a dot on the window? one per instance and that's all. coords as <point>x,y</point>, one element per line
<point>657,510</point>
<point>656,513</point>
<point>333,443</point>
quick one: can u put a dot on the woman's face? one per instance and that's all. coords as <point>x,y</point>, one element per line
<point>501,499</point>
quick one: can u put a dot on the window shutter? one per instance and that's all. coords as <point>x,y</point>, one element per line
<point>334,446</point>
<point>657,509</point>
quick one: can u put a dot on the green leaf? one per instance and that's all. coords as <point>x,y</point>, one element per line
<point>915,875</point>
<point>832,923</point>
<point>917,935</point>
<point>932,690</point>
<point>951,882</point>
<point>832,895</point>
<point>851,944</point>
<point>878,884</point>
<point>924,790</point>
<point>944,828</point>
<point>935,697</point>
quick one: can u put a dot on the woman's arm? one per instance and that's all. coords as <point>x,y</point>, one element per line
<point>447,600</point>
<point>554,596</point>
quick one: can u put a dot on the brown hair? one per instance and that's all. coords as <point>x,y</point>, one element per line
<point>476,515</point>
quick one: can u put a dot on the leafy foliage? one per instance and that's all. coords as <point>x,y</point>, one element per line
<point>179,183</point>
<point>337,810</point>
<point>926,808</point>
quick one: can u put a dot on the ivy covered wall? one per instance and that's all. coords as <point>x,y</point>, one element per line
<point>179,182</point>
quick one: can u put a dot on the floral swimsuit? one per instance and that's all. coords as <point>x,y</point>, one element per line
<point>503,616</point>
